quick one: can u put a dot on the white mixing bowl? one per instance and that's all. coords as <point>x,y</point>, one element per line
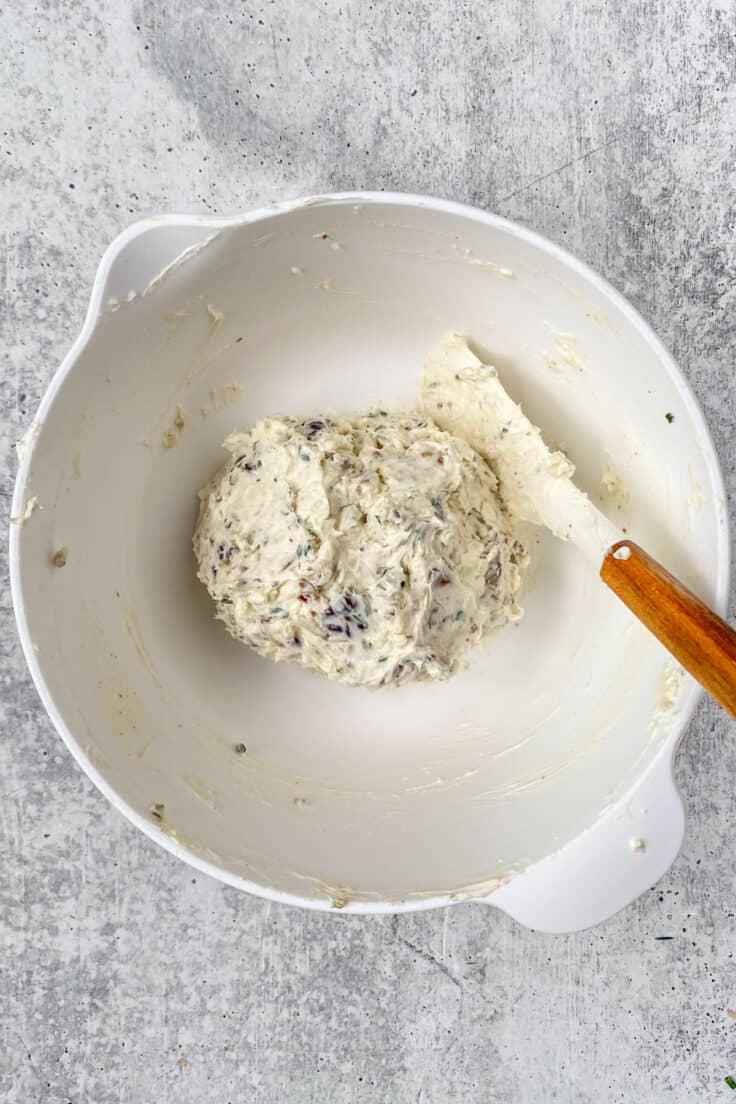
<point>543,772</point>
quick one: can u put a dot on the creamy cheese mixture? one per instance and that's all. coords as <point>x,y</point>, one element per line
<point>374,549</point>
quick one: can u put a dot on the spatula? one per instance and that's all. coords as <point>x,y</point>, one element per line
<point>466,397</point>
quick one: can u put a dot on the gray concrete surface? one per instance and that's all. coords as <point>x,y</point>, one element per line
<point>610,128</point>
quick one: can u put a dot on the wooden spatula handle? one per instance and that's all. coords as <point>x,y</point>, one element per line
<point>702,642</point>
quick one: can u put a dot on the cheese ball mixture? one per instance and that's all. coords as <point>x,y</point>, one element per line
<point>373,549</point>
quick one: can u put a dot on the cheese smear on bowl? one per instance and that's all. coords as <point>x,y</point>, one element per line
<point>373,549</point>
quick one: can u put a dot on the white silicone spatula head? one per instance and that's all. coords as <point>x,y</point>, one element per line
<point>465,397</point>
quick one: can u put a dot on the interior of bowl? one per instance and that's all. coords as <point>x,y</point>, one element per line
<point>346,794</point>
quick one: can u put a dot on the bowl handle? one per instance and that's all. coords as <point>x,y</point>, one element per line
<point>144,251</point>
<point>605,868</point>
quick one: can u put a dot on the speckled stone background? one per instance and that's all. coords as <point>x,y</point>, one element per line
<point>607,126</point>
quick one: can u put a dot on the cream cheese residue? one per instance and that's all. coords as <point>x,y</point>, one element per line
<point>114,303</point>
<point>670,682</point>
<point>25,440</point>
<point>171,436</point>
<point>31,505</point>
<point>614,491</point>
<point>187,255</point>
<point>478,890</point>
<point>612,482</point>
<point>264,239</point>
<point>134,632</point>
<point>696,498</point>
<point>204,793</point>
<point>217,317</point>
<point>219,399</point>
<point>565,353</point>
